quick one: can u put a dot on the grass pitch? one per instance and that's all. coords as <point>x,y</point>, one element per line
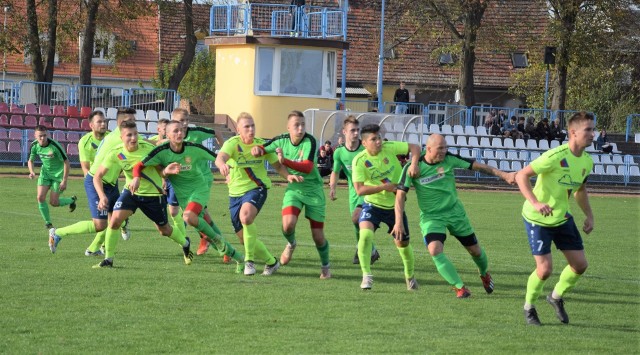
<point>152,303</point>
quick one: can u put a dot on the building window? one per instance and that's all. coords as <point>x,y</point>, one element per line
<point>103,47</point>
<point>519,60</point>
<point>295,72</point>
<point>446,59</point>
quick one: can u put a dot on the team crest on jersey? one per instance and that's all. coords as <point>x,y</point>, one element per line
<point>187,160</point>
<point>385,160</point>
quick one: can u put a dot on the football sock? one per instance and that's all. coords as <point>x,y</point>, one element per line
<point>64,201</point>
<point>205,228</point>
<point>534,288</point>
<point>291,237</point>
<point>98,240</point>
<point>249,232</point>
<point>568,280</point>
<point>408,260</point>
<point>44,211</point>
<point>178,237</point>
<point>447,270</point>
<point>230,251</point>
<point>364,250</point>
<point>110,242</point>
<point>482,261</point>
<point>262,253</point>
<point>324,253</point>
<point>82,227</point>
<point>178,223</point>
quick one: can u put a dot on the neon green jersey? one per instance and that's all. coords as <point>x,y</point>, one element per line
<point>88,146</point>
<point>52,157</point>
<point>109,142</point>
<point>249,172</point>
<point>383,168</point>
<point>559,174</point>
<point>306,149</point>
<point>436,185</point>
<point>120,159</point>
<point>342,160</point>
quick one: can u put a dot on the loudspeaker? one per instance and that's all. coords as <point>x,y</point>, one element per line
<point>549,55</point>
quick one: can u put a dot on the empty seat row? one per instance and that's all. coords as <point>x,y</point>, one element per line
<point>46,110</point>
<point>69,123</point>
<point>141,115</point>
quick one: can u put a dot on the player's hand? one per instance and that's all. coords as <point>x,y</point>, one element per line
<point>398,231</point>
<point>295,178</point>
<point>414,170</point>
<point>32,175</point>
<point>63,185</point>
<point>103,204</point>
<point>280,156</point>
<point>587,227</point>
<point>224,170</point>
<point>257,151</point>
<point>332,194</point>
<point>134,184</point>
<point>510,178</point>
<point>544,209</point>
<point>172,169</point>
<point>389,187</point>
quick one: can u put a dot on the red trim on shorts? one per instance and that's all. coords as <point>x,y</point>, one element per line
<point>316,224</point>
<point>194,207</point>
<point>291,210</point>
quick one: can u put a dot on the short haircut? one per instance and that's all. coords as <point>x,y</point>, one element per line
<point>173,122</point>
<point>369,129</point>
<point>180,111</point>
<point>163,121</point>
<point>124,111</point>
<point>128,124</point>
<point>94,114</point>
<point>351,119</point>
<point>580,117</point>
<point>244,116</point>
<point>327,142</point>
<point>41,128</point>
<point>295,113</point>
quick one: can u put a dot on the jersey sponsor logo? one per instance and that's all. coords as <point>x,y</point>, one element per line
<point>429,179</point>
<point>566,180</point>
<point>185,167</point>
<point>367,164</point>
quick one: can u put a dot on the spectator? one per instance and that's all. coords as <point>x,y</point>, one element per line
<point>521,125</point>
<point>556,131</point>
<point>543,130</point>
<point>324,163</point>
<point>510,128</point>
<point>340,140</point>
<point>530,128</point>
<point>401,98</point>
<point>329,150</point>
<point>295,13</point>
<point>502,117</point>
<point>494,129</point>
<point>602,143</point>
<point>489,119</point>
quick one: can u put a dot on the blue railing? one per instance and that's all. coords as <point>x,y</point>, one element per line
<point>632,127</point>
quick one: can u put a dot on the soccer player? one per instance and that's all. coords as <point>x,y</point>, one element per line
<point>161,137</point>
<point>248,187</point>
<point>110,186</point>
<point>375,172</point>
<point>53,174</point>
<point>297,150</point>
<point>148,196</point>
<point>442,210</point>
<point>560,172</point>
<point>180,160</point>
<point>342,159</point>
<point>198,135</point>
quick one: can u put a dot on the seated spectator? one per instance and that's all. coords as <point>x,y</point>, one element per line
<point>530,128</point>
<point>510,128</point>
<point>328,149</point>
<point>556,131</point>
<point>340,140</point>
<point>495,130</point>
<point>602,143</point>
<point>324,163</point>
<point>543,130</point>
<point>502,117</point>
<point>521,128</point>
<point>489,119</point>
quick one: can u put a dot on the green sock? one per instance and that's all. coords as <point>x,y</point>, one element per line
<point>44,211</point>
<point>231,252</point>
<point>82,227</point>
<point>215,228</point>
<point>111,240</point>
<point>261,253</point>
<point>291,238</point>
<point>64,201</point>
<point>98,240</point>
<point>482,261</point>
<point>364,250</point>
<point>447,270</point>
<point>534,288</point>
<point>568,280</point>
<point>178,223</point>
<point>249,232</point>
<point>408,260</point>
<point>324,253</point>
<point>178,237</point>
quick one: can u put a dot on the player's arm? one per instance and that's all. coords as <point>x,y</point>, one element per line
<point>414,169</point>
<point>363,190</point>
<point>333,181</point>
<point>305,166</point>
<point>65,174</point>
<point>523,179</point>
<point>103,204</point>
<point>284,172</point>
<point>221,163</point>
<point>398,228</point>
<point>489,170</point>
<point>32,174</point>
<point>582,198</point>
<point>85,165</point>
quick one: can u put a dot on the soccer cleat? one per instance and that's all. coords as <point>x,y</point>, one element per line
<point>367,282</point>
<point>462,292</point>
<point>203,247</point>
<point>124,230</point>
<point>48,226</point>
<point>186,250</point>
<point>558,306</point>
<point>72,205</point>
<point>53,240</point>
<point>356,258</point>
<point>374,256</point>
<point>412,284</point>
<point>103,264</point>
<point>270,269</point>
<point>285,257</point>
<point>531,317</point>
<point>487,282</point>
<point>325,273</point>
<point>249,268</point>
<point>93,253</point>
<point>226,259</point>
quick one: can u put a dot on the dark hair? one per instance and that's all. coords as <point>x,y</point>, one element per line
<point>295,113</point>
<point>124,111</point>
<point>95,113</point>
<point>41,128</point>
<point>128,124</point>
<point>580,116</point>
<point>369,129</point>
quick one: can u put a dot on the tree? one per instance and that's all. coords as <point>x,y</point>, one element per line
<point>186,58</point>
<point>42,67</point>
<point>86,52</point>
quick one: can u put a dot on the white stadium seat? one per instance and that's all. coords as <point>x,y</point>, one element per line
<point>434,128</point>
<point>458,130</point>
<point>543,144</point>
<point>598,169</point>
<point>520,144</point>
<point>470,130</point>
<point>481,131</point>
<point>461,141</point>
<point>446,129</point>
<point>508,143</point>
<point>164,114</point>
<point>473,142</point>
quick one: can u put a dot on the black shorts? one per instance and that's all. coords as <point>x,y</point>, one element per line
<point>154,207</point>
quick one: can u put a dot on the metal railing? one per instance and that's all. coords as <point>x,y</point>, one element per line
<point>632,127</point>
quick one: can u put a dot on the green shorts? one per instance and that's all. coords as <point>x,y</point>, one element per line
<point>314,203</point>
<point>455,221</point>
<point>45,180</point>
<point>199,195</point>
<point>354,202</point>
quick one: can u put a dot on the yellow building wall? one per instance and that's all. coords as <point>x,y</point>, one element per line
<point>235,71</point>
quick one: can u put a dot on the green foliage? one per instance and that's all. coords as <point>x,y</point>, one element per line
<point>152,303</point>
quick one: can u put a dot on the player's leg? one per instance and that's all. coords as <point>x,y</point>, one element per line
<point>404,248</point>
<point>540,239</point>
<point>291,207</point>
<point>55,198</point>
<point>459,226</point>
<point>41,198</point>
<point>315,211</point>
<point>368,223</point>
<point>155,208</point>
<point>121,212</point>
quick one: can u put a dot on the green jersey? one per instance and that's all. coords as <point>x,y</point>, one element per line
<point>108,143</point>
<point>383,168</point>
<point>436,185</point>
<point>249,172</point>
<point>88,147</point>
<point>559,174</point>
<point>306,149</point>
<point>52,157</point>
<point>342,159</point>
<point>198,135</point>
<point>120,159</point>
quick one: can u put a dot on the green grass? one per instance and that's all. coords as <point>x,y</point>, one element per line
<point>152,303</point>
